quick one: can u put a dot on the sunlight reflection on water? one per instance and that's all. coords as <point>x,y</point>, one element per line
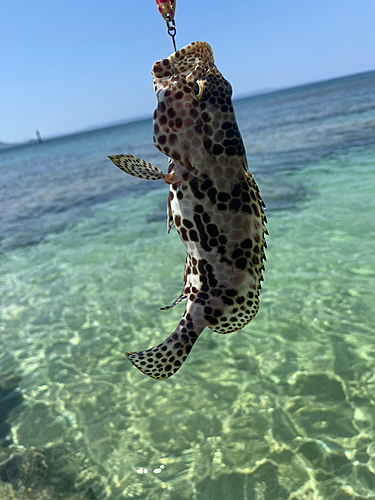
<point>281,409</point>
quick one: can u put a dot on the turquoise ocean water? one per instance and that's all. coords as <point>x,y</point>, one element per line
<point>285,408</point>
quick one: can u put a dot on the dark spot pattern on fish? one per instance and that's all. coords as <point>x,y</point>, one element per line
<point>214,204</point>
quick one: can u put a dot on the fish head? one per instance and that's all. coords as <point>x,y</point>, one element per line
<point>194,122</point>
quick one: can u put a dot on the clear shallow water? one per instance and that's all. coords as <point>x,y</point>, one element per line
<point>284,408</point>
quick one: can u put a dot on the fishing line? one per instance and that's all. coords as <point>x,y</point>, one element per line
<point>167,11</point>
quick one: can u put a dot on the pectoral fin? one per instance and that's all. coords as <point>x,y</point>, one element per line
<point>136,167</point>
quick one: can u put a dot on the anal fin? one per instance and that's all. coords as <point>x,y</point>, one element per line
<point>169,212</point>
<point>179,299</point>
<point>136,167</point>
<point>185,292</point>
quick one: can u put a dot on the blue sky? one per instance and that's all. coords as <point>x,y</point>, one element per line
<point>68,65</point>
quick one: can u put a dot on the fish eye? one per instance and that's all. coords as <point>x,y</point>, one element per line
<point>199,89</point>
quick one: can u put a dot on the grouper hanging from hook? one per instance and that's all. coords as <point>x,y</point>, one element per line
<point>213,200</point>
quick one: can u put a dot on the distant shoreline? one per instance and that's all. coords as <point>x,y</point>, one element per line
<point>257,93</point>
<point>5,145</point>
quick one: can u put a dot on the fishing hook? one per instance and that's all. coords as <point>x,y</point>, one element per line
<point>171,28</point>
<point>167,10</point>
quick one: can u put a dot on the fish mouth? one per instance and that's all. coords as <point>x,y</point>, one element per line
<point>191,62</point>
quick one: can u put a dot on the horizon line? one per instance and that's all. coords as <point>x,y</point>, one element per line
<point>250,95</point>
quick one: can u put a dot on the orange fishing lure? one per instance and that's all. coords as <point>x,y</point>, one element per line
<point>166,8</point>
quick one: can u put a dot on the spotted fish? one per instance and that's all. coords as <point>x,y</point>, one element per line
<point>213,202</point>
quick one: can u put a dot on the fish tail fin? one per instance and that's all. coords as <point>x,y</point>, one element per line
<point>165,359</point>
<point>136,167</point>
